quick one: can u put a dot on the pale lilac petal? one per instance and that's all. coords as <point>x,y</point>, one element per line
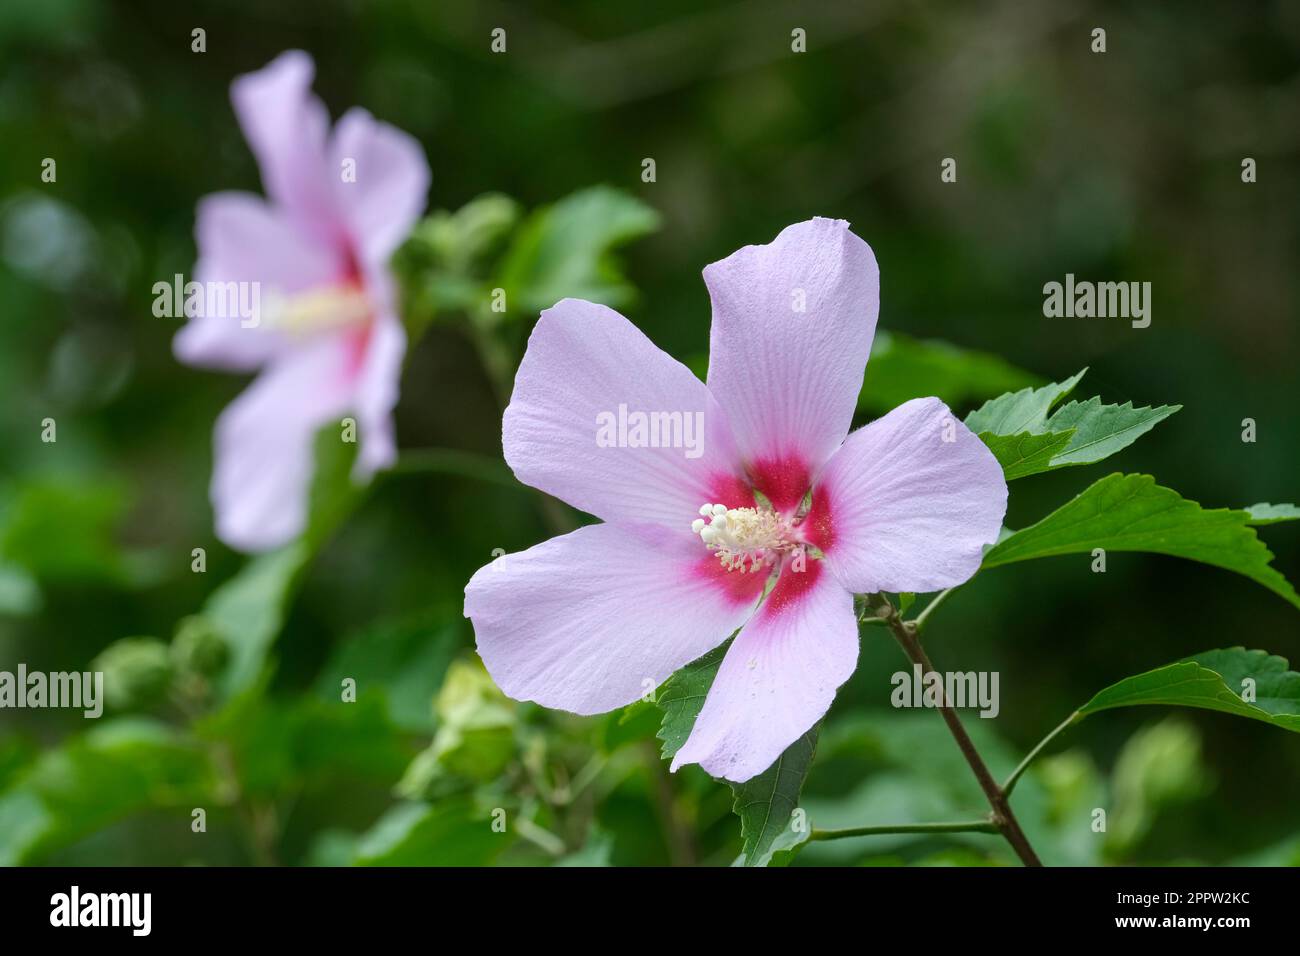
<point>384,192</point>
<point>778,678</point>
<point>243,240</point>
<point>913,498</point>
<point>286,127</point>
<point>262,475</point>
<point>789,380</point>
<point>584,361</point>
<point>591,621</point>
<point>378,385</point>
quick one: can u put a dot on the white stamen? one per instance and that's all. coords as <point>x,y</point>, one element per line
<point>746,539</point>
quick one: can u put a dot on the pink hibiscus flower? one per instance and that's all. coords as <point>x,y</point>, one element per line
<point>327,338</point>
<point>770,525</point>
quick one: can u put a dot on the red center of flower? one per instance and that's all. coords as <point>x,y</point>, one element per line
<point>769,521</point>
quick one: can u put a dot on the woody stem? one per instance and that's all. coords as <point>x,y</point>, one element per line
<point>1003,817</point>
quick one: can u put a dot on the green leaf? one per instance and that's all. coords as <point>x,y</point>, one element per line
<point>766,806</point>
<point>597,851</point>
<point>1025,453</point>
<point>63,528</point>
<point>909,770</point>
<point>20,595</point>
<point>16,753</point>
<point>1133,513</point>
<point>564,250</point>
<point>281,746</point>
<point>248,611</point>
<point>449,833</point>
<point>682,696</point>
<point>1159,769</point>
<point>440,266</point>
<point>1027,440</point>
<point>403,661</point>
<point>137,672</point>
<point>902,368</point>
<point>122,766</point>
<point>475,741</point>
<point>1214,680</point>
<point>1272,514</point>
<point>334,494</point>
<point>457,240</point>
<point>765,803</point>
<point>1022,411</point>
<point>1101,430</point>
<point>634,723</point>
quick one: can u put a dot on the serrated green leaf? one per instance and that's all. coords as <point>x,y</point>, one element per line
<point>1022,411</point>
<point>1101,430</point>
<point>1025,453</point>
<point>902,368</point>
<point>564,250</point>
<point>1263,513</point>
<point>1214,680</point>
<point>1133,513</point>
<point>682,696</point>
<point>766,805</point>
<point>1027,440</point>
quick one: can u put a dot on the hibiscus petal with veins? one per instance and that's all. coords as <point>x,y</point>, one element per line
<point>771,529</point>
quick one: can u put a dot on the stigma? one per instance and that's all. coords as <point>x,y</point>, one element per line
<point>745,539</point>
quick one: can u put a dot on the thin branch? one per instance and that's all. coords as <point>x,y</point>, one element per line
<point>1029,758</point>
<point>920,619</point>
<point>905,633</point>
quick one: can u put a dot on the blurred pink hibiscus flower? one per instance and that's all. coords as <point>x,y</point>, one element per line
<point>769,524</point>
<point>326,339</point>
